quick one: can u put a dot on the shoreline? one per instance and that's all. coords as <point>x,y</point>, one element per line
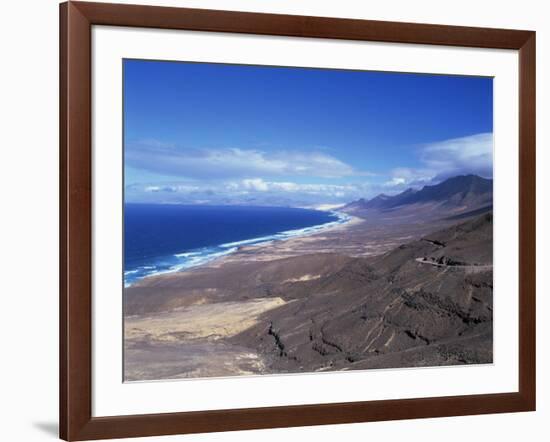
<point>309,303</point>
<point>270,251</point>
<point>224,251</point>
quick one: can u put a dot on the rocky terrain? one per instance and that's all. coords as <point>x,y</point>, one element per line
<point>408,283</point>
<point>428,302</point>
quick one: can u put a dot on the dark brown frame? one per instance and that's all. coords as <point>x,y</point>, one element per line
<point>76,421</point>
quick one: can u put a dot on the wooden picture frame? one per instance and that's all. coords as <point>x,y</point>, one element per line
<point>76,21</point>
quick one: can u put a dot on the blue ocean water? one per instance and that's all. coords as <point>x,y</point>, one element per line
<point>162,238</point>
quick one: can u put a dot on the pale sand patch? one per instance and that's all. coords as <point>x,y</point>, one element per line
<point>303,278</point>
<point>194,359</point>
<point>353,221</point>
<point>212,321</point>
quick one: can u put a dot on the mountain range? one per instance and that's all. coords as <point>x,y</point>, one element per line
<point>457,194</point>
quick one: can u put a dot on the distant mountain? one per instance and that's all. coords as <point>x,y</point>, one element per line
<point>375,203</point>
<point>466,191</point>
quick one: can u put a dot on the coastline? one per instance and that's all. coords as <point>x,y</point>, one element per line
<point>290,247</point>
<point>309,303</point>
<point>224,252</point>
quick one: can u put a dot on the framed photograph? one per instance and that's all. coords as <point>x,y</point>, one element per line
<point>274,220</point>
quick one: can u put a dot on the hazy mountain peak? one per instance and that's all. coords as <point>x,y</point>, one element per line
<point>465,191</point>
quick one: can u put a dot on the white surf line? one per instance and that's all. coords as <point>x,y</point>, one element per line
<point>233,247</point>
<point>343,219</point>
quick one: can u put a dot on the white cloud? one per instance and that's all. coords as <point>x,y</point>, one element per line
<point>226,163</point>
<point>260,185</point>
<point>258,190</point>
<point>471,154</point>
<point>241,176</point>
<point>395,181</point>
<point>440,160</point>
<point>254,184</point>
<point>404,176</point>
<point>171,188</point>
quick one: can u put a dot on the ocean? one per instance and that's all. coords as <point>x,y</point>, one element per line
<point>164,238</point>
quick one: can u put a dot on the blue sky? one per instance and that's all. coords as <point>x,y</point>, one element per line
<point>232,134</point>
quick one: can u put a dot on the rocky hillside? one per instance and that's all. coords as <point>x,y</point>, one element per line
<point>425,303</point>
